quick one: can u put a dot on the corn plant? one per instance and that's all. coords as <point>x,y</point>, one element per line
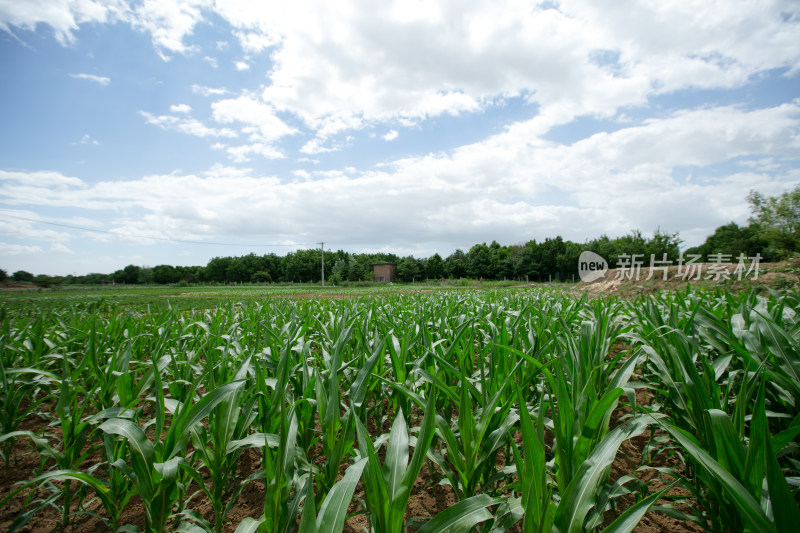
<point>745,484</point>
<point>282,496</point>
<point>216,447</point>
<point>113,493</point>
<point>533,482</point>
<point>584,389</point>
<point>21,392</point>
<point>333,511</point>
<point>153,467</point>
<point>471,446</point>
<point>387,487</point>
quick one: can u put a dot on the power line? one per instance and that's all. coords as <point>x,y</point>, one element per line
<point>167,239</point>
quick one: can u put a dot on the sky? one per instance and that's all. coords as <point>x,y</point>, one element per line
<point>170,132</point>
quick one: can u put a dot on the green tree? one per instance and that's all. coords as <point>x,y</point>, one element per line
<point>549,252</point>
<point>145,275</point>
<point>165,274</point>
<point>434,267</point>
<point>217,269</point>
<point>237,271</point>
<point>340,269</point>
<point>22,275</point>
<point>479,262</point>
<point>455,266</point>
<point>43,280</point>
<point>3,275</point>
<point>262,276</point>
<point>732,239</point>
<point>130,275</point>
<point>410,269</point>
<point>777,220</point>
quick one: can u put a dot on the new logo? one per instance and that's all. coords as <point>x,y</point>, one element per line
<point>591,266</point>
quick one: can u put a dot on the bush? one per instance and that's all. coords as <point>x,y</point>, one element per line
<point>21,275</point>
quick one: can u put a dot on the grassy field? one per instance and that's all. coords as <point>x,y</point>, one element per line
<point>158,297</point>
<point>395,408</point>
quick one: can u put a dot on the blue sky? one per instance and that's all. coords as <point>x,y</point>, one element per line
<point>412,127</point>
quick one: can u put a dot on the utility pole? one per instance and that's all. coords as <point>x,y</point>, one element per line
<point>322,244</point>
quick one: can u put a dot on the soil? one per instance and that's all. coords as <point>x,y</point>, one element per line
<point>770,275</point>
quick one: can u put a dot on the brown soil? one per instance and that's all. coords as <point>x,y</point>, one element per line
<point>773,275</point>
<point>10,285</point>
<point>629,458</point>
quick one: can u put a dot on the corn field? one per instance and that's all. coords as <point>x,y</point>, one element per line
<point>514,403</point>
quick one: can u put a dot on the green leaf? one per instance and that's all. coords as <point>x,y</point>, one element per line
<point>579,497</point>
<point>629,519</point>
<point>784,507</point>
<point>748,507</point>
<point>360,385</point>
<point>249,525</point>
<point>308,522</point>
<point>461,517</point>
<point>134,434</point>
<point>180,428</point>
<point>334,509</point>
<point>394,466</point>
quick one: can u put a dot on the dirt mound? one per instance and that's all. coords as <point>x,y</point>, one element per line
<point>730,276</point>
<point>10,285</point>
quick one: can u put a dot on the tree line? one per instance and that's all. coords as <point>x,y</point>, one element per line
<point>773,232</point>
<point>551,259</point>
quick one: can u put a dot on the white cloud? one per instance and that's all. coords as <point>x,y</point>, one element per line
<point>242,65</point>
<point>248,110</point>
<point>102,80</point>
<point>60,248</point>
<point>169,23</point>
<point>209,91</point>
<point>241,154</point>
<point>254,42</point>
<point>62,16</point>
<point>18,249</point>
<point>189,126</point>
<point>315,146</point>
<point>260,124</point>
<point>44,178</point>
<point>87,139</point>
<point>495,189</point>
<point>354,63</point>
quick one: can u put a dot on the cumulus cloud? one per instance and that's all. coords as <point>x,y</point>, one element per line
<point>258,122</point>
<point>169,22</point>
<point>354,63</point>
<point>209,91</point>
<point>102,80</point>
<point>19,249</point>
<point>63,16</point>
<point>494,189</point>
<point>189,126</point>
<point>87,139</point>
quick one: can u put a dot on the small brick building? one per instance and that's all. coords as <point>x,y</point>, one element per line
<point>384,272</point>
